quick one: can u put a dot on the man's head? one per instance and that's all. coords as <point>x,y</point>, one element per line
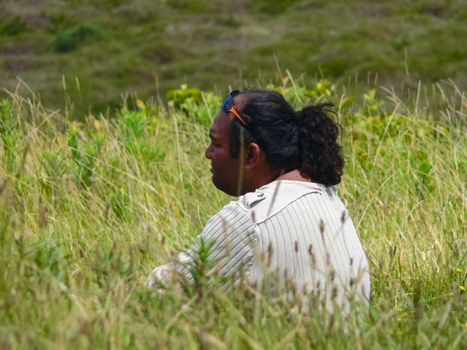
<point>244,171</point>
<point>257,135</point>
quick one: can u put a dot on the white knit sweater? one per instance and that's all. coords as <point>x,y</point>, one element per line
<point>299,232</point>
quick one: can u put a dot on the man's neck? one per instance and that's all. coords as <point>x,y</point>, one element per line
<point>294,175</point>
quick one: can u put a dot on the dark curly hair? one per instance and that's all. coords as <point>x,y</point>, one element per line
<point>304,140</point>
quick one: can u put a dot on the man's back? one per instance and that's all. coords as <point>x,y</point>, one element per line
<point>294,234</point>
<point>305,237</point>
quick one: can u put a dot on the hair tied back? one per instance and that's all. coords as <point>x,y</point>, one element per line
<point>320,152</point>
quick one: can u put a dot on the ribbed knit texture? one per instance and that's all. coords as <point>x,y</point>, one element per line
<point>297,234</point>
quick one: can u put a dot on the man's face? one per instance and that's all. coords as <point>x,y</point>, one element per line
<point>225,170</point>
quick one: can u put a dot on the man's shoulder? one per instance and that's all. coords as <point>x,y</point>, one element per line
<point>275,196</point>
<point>234,211</point>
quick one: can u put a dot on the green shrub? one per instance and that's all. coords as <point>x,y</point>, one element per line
<point>71,38</point>
<point>198,107</point>
<point>177,97</point>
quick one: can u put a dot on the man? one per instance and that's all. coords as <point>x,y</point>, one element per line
<point>287,221</point>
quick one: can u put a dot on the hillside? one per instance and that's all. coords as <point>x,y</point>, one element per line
<point>92,52</point>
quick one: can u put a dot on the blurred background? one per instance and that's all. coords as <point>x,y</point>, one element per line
<point>95,52</point>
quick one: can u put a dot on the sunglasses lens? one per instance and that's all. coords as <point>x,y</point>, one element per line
<point>227,104</point>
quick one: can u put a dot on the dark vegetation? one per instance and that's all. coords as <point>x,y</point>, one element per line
<point>96,51</point>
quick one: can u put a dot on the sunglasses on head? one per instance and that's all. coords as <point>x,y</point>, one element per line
<point>228,106</point>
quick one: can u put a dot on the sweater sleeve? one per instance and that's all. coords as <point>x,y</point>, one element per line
<point>225,246</point>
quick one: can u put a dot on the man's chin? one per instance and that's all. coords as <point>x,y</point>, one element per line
<point>221,187</point>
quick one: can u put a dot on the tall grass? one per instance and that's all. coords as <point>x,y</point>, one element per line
<point>88,209</point>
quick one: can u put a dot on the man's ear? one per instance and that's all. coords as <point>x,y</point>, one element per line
<point>253,155</point>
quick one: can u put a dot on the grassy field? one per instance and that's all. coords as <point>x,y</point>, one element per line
<point>97,50</point>
<point>88,208</point>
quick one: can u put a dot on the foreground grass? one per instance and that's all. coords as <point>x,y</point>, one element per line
<point>88,209</point>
